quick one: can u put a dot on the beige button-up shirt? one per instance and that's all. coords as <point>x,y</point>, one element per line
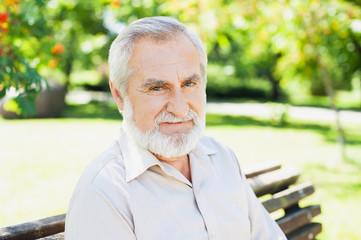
<point>127,193</point>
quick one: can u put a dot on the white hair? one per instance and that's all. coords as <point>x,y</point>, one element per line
<point>158,29</point>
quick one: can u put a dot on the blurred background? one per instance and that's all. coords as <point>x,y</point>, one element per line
<point>284,83</point>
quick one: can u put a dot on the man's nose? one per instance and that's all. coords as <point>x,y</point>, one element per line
<point>177,104</point>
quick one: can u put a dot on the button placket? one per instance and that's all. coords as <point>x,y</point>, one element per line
<point>200,164</point>
<point>208,217</point>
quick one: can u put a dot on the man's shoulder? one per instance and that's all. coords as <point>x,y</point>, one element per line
<point>101,189</point>
<point>105,169</point>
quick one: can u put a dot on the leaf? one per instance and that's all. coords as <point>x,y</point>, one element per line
<point>2,93</point>
<point>12,106</point>
<point>26,104</point>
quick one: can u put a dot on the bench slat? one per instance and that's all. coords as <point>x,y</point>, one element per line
<point>33,230</point>
<point>59,236</point>
<point>275,181</point>
<point>288,197</point>
<point>298,219</point>
<point>307,232</point>
<point>260,168</point>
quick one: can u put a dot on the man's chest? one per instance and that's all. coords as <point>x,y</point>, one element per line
<point>166,208</point>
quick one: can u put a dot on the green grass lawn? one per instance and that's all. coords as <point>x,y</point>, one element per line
<point>41,160</point>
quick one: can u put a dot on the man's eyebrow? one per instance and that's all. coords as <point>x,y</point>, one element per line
<point>193,77</point>
<point>150,82</point>
<point>154,82</point>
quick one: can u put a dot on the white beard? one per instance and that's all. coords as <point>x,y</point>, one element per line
<point>166,145</point>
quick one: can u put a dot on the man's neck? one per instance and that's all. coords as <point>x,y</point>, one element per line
<point>181,163</point>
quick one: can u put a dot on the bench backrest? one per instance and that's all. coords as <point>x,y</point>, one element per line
<point>277,190</point>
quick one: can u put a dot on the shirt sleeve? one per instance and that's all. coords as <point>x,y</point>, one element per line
<point>92,216</point>
<point>262,225</point>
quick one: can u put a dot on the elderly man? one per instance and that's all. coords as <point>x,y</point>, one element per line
<point>162,179</point>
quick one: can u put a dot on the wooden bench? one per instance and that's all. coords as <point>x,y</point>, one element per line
<point>275,187</point>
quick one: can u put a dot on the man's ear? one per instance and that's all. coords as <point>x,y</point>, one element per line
<point>117,96</point>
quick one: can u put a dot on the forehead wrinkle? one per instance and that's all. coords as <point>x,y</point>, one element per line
<point>155,64</point>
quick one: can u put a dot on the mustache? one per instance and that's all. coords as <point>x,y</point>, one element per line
<point>165,116</point>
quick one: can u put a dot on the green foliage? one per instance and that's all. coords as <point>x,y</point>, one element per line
<point>277,43</point>
<point>287,41</point>
<point>223,83</point>
<point>24,37</point>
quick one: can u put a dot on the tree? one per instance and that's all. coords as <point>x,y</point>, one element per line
<point>46,39</point>
<point>24,41</point>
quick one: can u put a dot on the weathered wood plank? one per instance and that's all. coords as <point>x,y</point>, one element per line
<point>295,220</point>
<point>59,236</point>
<point>288,197</point>
<point>275,181</point>
<point>34,230</point>
<point>307,232</point>
<point>258,169</point>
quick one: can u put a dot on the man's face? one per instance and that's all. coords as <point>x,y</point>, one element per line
<point>166,77</point>
<point>164,106</point>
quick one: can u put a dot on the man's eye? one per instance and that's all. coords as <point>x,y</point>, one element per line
<point>189,84</point>
<point>156,89</point>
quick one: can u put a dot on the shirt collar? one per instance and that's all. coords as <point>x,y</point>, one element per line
<point>204,147</point>
<point>138,159</point>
